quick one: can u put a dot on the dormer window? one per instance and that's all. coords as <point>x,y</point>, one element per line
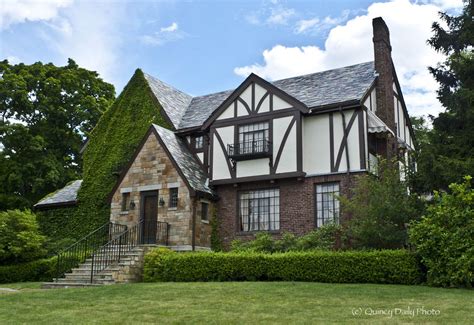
<point>253,142</point>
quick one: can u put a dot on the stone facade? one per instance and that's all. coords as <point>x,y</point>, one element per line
<point>297,205</point>
<point>152,169</point>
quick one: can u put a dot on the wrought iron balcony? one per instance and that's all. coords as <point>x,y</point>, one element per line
<point>249,150</point>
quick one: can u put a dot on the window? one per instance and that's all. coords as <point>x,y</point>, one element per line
<point>327,204</point>
<point>173,197</point>
<point>259,210</point>
<point>199,142</point>
<point>204,211</point>
<point>125,201</point>
<point>253,138</point>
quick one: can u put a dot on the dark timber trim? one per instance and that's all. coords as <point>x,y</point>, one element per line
<point>344,140</point>
<point>255,118</point>
<point>249,111</point>
<point>331,141</point>
<point>253,78</point>
<point>260,102</point>
<point>226,156</point>
<point>282,145</point>
<point>258,178</point>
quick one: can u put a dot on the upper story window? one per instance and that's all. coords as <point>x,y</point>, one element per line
<point>199,142</point>
<point>204,211</point>
<point>327,204</point>
<point>259,210</point>
<point>253,141</point>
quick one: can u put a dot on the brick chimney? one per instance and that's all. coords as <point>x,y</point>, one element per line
<point>384,69</point>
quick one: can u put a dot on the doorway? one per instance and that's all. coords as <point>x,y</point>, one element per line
<point>149,216</point>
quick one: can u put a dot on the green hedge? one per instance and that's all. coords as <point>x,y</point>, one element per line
<point>39,270</point>
<point>386,266</point>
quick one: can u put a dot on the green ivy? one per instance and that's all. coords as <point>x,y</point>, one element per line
<point>111,145</point>
<point>60,227</point>
<point>216,243</point>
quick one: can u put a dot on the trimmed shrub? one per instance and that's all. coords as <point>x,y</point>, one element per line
<point>389,266</point>
<point>39,270</point>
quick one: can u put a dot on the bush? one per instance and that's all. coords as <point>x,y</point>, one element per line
<point>20,238</point>
<point>322,238</point>
<point>444,237</point>
<point>395,266</point>
<point>39,270</point>
<point>380,207</point>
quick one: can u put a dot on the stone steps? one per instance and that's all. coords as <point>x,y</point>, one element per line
<point>129,269</point>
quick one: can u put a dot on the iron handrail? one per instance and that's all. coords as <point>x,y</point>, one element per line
<point>78,252</point>
<point>261,146</point>
<point>113,251</point>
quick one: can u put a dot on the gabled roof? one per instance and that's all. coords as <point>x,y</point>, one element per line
<point>187,163</point>
<point>173,101</point>
<point>63,197</point>
<point>314,90</point>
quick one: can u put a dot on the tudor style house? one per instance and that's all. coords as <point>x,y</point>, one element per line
<point>267,156</point>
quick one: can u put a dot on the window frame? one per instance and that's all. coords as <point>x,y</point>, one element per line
<point>125,204</point>
<point>199,145</point>
<point>253,133</point>
<point>335,203</point>
<point>274,218</point>
<point>173,202</point>
<point>204,216</point>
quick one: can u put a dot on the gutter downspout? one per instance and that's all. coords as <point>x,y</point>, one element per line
<point>193,229</point>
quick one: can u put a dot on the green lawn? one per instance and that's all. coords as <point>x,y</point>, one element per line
<point>233,303</point>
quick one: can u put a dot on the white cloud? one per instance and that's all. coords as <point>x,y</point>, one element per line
<point>171,28</point>
<point>351,43</point>
<point>316,25</point>
<point>164,35</point>
<point>19,11</point>
<point>280,16</point>
<point>87,32</point>
<point>271,13</point>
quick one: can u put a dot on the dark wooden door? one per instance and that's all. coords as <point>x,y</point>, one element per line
<point>149,216</point>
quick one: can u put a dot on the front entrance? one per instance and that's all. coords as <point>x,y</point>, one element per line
<point>149,214</point>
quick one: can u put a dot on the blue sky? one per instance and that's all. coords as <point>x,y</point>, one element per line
<point>207,46</point>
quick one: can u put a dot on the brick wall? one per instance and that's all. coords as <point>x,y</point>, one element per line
<point>297,204</point>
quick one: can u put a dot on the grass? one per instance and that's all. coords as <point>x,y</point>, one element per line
<point>233,303</point>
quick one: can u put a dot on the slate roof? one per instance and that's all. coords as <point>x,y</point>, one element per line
<point>185,160</point>
<point>66,195</point>
<point>173,101</point>
<point>314,90</point>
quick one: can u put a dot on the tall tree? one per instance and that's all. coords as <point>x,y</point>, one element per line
<point>46,113</point>
<point>450,155</point>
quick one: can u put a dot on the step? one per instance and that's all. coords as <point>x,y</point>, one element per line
<point>65,285</point>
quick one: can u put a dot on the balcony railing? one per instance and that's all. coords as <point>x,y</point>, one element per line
<point>249,149</point>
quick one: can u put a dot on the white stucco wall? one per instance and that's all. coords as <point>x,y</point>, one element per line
<point>316,159</point>
<point>219,164</point>
<point>288,159</point>
<point>254,167</point>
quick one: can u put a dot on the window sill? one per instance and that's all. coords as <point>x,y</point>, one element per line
<point>172,209</point>
<point>205,221</point>
<point>254,232</point>
<point>124,213</point>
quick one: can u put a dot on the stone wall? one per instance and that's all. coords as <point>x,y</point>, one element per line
<point>152,169</point>
<point>297,204</point>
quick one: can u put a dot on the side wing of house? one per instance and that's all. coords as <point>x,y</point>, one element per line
<point>256,135</point>
<point>335,142</point>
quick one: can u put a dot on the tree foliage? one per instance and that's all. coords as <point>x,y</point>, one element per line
<point>45,114</point>
<point>450,153</point>
<point>444,237</point>
<point>20,238</point>
<point>380,209</point>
